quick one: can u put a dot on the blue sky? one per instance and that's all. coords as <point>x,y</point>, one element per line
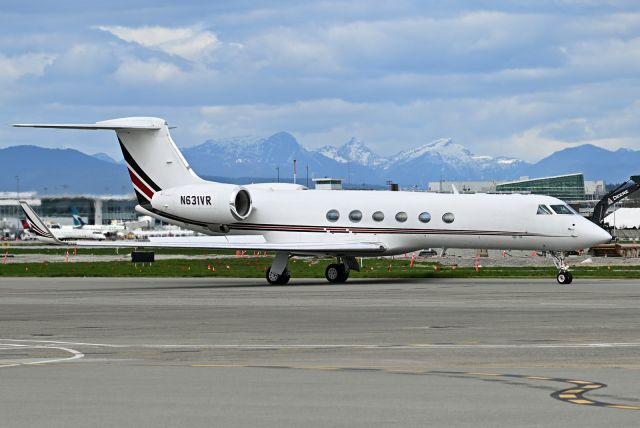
<point>511,78</point>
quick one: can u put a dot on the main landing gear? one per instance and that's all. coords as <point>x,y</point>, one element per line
<point>279,274</point>
<point>274,278</point>
<point>339,272</point>
<point>564,277</point>
<point>336,273</point>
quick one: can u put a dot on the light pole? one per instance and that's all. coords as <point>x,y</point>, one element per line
<point>17,187</point>
<point>278,171</point>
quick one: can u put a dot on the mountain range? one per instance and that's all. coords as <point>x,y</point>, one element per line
<point>247,159</point>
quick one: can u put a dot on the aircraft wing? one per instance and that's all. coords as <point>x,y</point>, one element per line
<point>248,242</point>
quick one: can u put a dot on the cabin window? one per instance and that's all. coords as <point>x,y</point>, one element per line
<point>543,210</point>
<point>333,215</point>
<point>424,217</point>
<point>401,217</point>
<point>448,217</point>
<point>355,216</point>
<point>561,209</point>
<point>377,216</point>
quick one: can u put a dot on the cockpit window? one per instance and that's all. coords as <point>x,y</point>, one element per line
<point>562,209</point>
<point>543,210</point>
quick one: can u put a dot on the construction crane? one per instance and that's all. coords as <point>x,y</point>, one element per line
<point>616,195</point>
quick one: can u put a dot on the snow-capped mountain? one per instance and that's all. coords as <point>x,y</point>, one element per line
<point>354,151</point>
<point>452,155</point>
<point>353,161</point>
<point>250,159</point>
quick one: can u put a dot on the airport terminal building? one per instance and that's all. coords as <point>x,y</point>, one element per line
<point>568,187</point>
<point>98,209</point>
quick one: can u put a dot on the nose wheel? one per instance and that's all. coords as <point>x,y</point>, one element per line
<point>564,277</point>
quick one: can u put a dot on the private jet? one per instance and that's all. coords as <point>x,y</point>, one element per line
<point>289,219</point>
<point>61,233</point>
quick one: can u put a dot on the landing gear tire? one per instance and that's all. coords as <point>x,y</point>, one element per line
<point>564,278</point>
<point>278,279</point>
<point>336,273</point>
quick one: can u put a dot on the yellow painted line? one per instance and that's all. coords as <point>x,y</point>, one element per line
<point>592,386</point>
<point>581,401</point>
<point>574,391</point>
<point>580,382</point>
<point>315,367</point>
<point>219,365</point>
<point>483,374</point>
<point>567,396</point>
<point>620,406</point>
<point>538,377</point>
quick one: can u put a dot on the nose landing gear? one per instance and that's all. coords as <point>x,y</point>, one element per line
<point>564,277</point>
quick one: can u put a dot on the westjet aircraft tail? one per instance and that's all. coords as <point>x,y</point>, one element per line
<point>77,220</point>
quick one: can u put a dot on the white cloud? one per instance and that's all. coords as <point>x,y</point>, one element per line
<point>186,42</point>
<point>13,68</point>
<point>133,70</point>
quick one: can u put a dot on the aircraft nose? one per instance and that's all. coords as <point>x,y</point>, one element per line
<point>597,235</point>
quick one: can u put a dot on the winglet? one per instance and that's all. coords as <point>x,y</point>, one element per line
<point>37,225</point>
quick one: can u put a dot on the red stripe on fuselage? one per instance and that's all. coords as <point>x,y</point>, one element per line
<point>140,185</point>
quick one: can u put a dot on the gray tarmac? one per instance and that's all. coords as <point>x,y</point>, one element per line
<point>235,352</point>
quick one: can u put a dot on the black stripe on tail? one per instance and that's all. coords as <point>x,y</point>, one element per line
<point>143,200</point>
<point>136,168</point>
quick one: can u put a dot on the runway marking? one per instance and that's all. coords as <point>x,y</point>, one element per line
<point>570,395</point>
<point>279,346</point>
<point>75,355</point>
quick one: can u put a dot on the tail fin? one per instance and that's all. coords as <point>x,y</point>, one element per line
<point>37,225</point>
<point>77,220</point>
<point>153,160</point>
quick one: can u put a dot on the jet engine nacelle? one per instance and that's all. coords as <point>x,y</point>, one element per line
<point>216,204</point>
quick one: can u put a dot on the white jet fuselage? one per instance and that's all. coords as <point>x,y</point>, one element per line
<point>491,221</point>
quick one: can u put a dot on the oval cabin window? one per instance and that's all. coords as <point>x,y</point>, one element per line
<point>424,217</point>
<point>333,215</point>
<point>355,216</point>
<point>401,217</point>
<point>378,216</point>
<point>448,217</point>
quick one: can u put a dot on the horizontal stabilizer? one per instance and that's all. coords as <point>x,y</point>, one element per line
<point>129,123</point>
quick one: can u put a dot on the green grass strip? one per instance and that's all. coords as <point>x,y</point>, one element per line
<point>255,267</point>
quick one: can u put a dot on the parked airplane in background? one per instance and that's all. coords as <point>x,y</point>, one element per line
<point>289,219</point>
<point>106,229</point>
<point>60,233</point>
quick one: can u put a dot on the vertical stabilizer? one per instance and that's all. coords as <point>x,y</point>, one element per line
<point>153,160</point>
